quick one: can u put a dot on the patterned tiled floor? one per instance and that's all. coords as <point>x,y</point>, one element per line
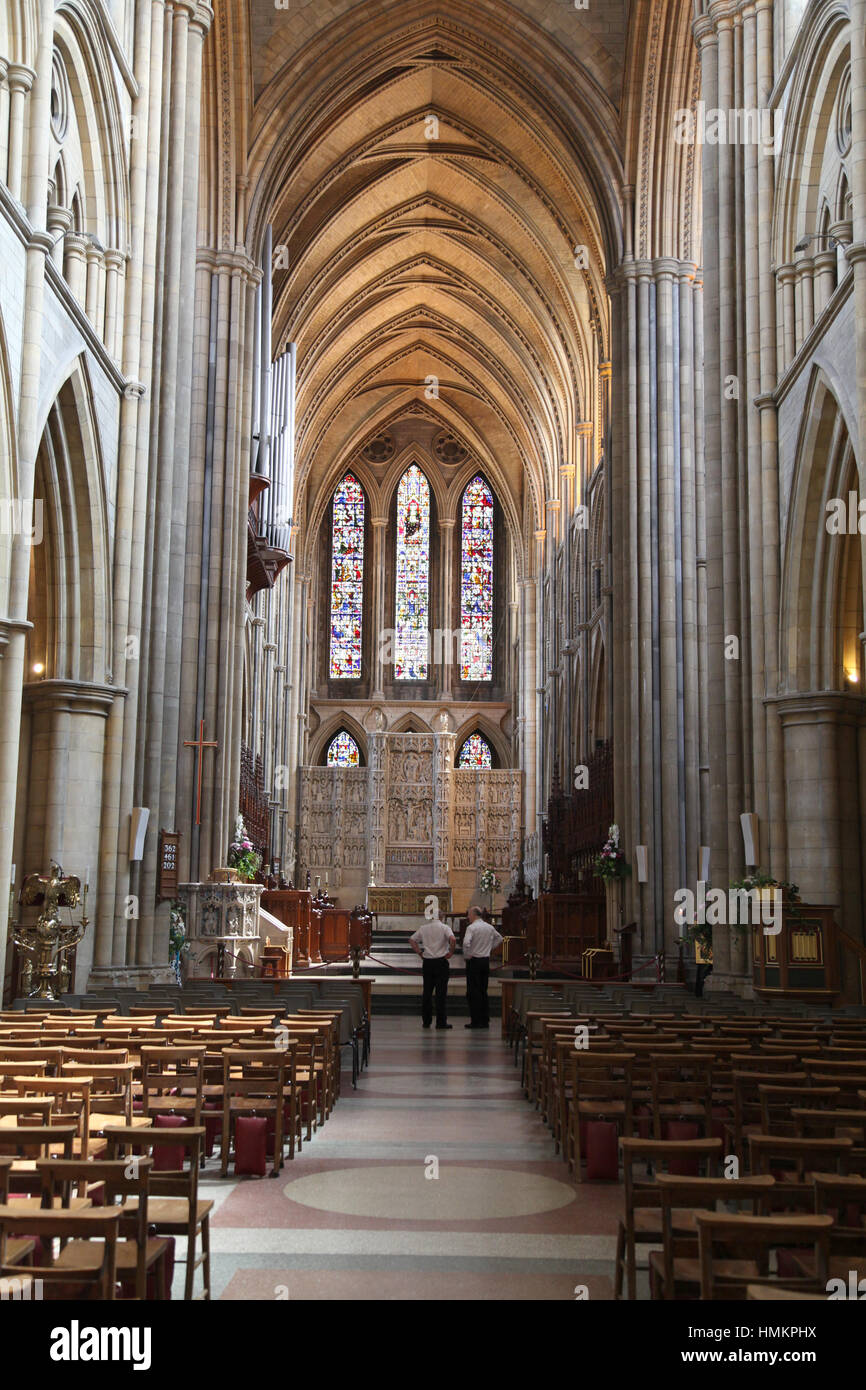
<point>434,1179</point>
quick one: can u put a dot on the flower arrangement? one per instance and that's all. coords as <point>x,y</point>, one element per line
<point>178,946</point>
<point>242,853</point>
<point>610,864</point>
<point>488,881</point>
<point>759,880</point>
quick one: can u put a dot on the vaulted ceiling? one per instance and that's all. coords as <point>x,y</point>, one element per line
<point>444,181</point>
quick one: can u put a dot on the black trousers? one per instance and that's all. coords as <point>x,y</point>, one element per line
<point>434,974</point>
<point>477,976</point>
<point>701,974</point>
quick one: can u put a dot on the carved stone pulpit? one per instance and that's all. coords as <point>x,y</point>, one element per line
<point>222,915</point>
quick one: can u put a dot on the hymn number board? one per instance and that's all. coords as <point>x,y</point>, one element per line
<point>166,886</point>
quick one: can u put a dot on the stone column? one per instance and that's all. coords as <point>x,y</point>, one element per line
<point>16,622</point>
<point>114,264</point>
<point>93,302</point>
<point>529,700</point>
<point>58,223</point>
<point>450,618</point>
<point>376,820</point>
<point>857,250</point>
<point>378,644</point>
<point>20,80</point>
<point>822,730</point>
<point>4,120</point>
<point>75,265</point>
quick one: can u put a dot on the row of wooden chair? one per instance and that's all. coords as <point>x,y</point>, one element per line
<point>48,1194</point>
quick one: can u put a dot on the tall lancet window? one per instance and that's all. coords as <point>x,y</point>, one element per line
<point>347,580</point>
<point>476,583</point>
<point>411,646</point>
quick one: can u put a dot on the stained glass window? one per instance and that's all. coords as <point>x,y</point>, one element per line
<point>411,646</point>
<point>343,751</point>
<point>476,584</point>
<point>347,580</point>
<point>475,753</point>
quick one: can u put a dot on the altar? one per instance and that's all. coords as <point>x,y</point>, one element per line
<point>409,824</point>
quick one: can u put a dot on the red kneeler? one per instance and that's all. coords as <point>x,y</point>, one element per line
<point>602,1151</point>
<point>682,1129</point>
<point>251,1145</point>
<point>166,1158</point>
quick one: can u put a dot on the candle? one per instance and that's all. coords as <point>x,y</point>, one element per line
<point>87,878</point>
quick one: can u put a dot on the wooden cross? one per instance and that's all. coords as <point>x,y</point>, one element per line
<point>200,744</point>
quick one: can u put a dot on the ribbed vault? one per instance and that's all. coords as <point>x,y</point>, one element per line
<point>443,187</point>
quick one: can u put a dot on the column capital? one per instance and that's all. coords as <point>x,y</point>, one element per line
<point>75,697</point>
<point>566,470</point>
<point>20,77</point>
<point>379,522</point>
<point>114,258</point>
<point>856,252</point>
<point>11,627</point>
<point>202,18</point>
<point>584,428</point>
<point>819,707</point>
<point>235,262</point>
<point>447,523</point>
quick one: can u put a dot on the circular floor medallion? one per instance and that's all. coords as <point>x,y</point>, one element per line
<point>402,1192</point>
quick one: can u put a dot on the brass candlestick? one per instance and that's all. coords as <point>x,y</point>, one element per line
<point>48,940</point>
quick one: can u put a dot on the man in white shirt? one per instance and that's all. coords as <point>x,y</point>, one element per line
<point>435,943</point>
<point>479,940</point>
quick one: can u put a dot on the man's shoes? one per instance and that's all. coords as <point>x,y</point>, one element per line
<point>469,1025</point>
<point>425,1025</point>
<point>444,1025</point>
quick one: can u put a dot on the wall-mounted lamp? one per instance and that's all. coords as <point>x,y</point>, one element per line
<point>832,241</point>
<point>749,822</point>
<point>703,863</point>
<point>640,863</point>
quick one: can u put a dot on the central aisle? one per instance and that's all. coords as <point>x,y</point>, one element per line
<point>356,1216</point>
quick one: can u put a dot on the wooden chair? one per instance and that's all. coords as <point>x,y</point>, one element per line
<point>171,1082</point>
<point>779,1101</point>
<point>792,1161</point>
<point>601,1090</point>
<point>746,1102</point>
<point>722,1234</point>
<point>19,1249</point>
<point>682,1089</point>
<point>123,1178</point>
<point>111,1092</point>
<point>95,1277</point>
<point>641,1222</point>
<point>675,1270</point>
<point>254,1083</point>
<point>174,1207</point>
